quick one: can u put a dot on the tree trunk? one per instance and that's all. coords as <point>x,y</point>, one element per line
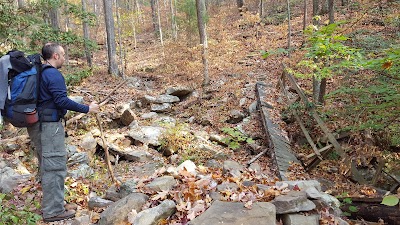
<point>120,45</point>
<point>54,18</point>
<point>373,212</point>
<point>305,15</point>
<point>331,11</point>
<point>21,4</point>
<point>159,25</point>
<point>315,11</point>
<point>174,27</point>
<point>134,16</point>
<point>240,4</point>
<point>201,12</point>
<point>111,49</point>
<point>154,16</point>
<point>86,36</point>
<point>261,8</point>
<point>289,27</point>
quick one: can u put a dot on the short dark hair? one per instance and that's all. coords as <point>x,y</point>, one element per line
<point>49,49</point>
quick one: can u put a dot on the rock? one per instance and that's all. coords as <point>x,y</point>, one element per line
<point>232,167</point>
<point>218,139</point>
<point>162,99</point>
<point>156,214</point>
<point>234,213</point>
<point>165,120</point>
<point>164,107</point>
<point>297,219</point>
<point>78,158</point>
<point>78,99</point>
<point>81,220</point>
<point>163,183</point>
<point>313,193</point>
<point>147,134</point>
<point>181,92</point>
<point>293,202</point>
<point>253,107</point>
<point>89,143</point>
<point>97,202</point>
<point>235,116</point>
<point>83,171</point>
<point>127,117</point>
<point>242,101</point>
<point>130,154</point>
<point>256,168</point>
<point>71,149</point>
<point>227,186</point>
<point>302,184</point>
<point>9,179</point>
<point>113,194</point>
<point>11,147</point>
<point>212,163</point>
<point>117,212</point>
<point>149,115</point>
<point>128,187</point>
<point>189,166</point>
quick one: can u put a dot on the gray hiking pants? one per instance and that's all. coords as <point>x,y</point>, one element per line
<point>50,149</point>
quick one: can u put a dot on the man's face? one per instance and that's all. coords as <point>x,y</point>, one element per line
<point>60,57</point>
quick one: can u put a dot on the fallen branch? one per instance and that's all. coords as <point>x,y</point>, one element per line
<point>105,146</point>
<point>257,156</point>
<point>102,102</point>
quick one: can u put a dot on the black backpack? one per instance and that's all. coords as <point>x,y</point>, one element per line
<point>24,77</point>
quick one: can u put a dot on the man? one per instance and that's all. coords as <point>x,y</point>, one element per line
<point>48,135</point>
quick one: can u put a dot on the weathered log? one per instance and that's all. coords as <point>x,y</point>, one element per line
<point>373,211</point>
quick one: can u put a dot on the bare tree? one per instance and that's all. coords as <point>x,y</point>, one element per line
<point>201,12</point>
<point>86,35</point>
<point>111,49</point>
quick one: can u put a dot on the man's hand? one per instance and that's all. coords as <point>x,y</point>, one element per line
<point>93,107</point>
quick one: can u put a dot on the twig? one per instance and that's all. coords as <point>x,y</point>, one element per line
<point>105,146</point>
<point>102,102</point>
<point>257,156</point>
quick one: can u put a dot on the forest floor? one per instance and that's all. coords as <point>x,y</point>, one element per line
<point>235,42</point>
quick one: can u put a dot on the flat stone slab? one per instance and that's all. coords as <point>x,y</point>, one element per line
<point>234,213</point>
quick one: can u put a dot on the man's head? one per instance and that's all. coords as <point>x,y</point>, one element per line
<point>54,54</point>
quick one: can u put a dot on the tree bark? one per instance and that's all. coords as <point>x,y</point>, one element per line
<point>289,27</point>
<point>54,18</point>
<point>86,36</point>
<point>373,212</point>
<point>154,16</point>
<point>201,12</point>
<point>120,45</point>
<point>174,27</point>
<point>331,11</point>
<point>305,15</point>
<point>111,49</point>
<point>240,4</point>
<point>21,4</point>
<point>261,8</point>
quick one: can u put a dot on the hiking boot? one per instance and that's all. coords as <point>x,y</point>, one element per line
<point>70,206</point>
<point>63,216</point>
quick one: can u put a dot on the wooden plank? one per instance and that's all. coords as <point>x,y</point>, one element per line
<point>320,151</point>
<point>305,132</point>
